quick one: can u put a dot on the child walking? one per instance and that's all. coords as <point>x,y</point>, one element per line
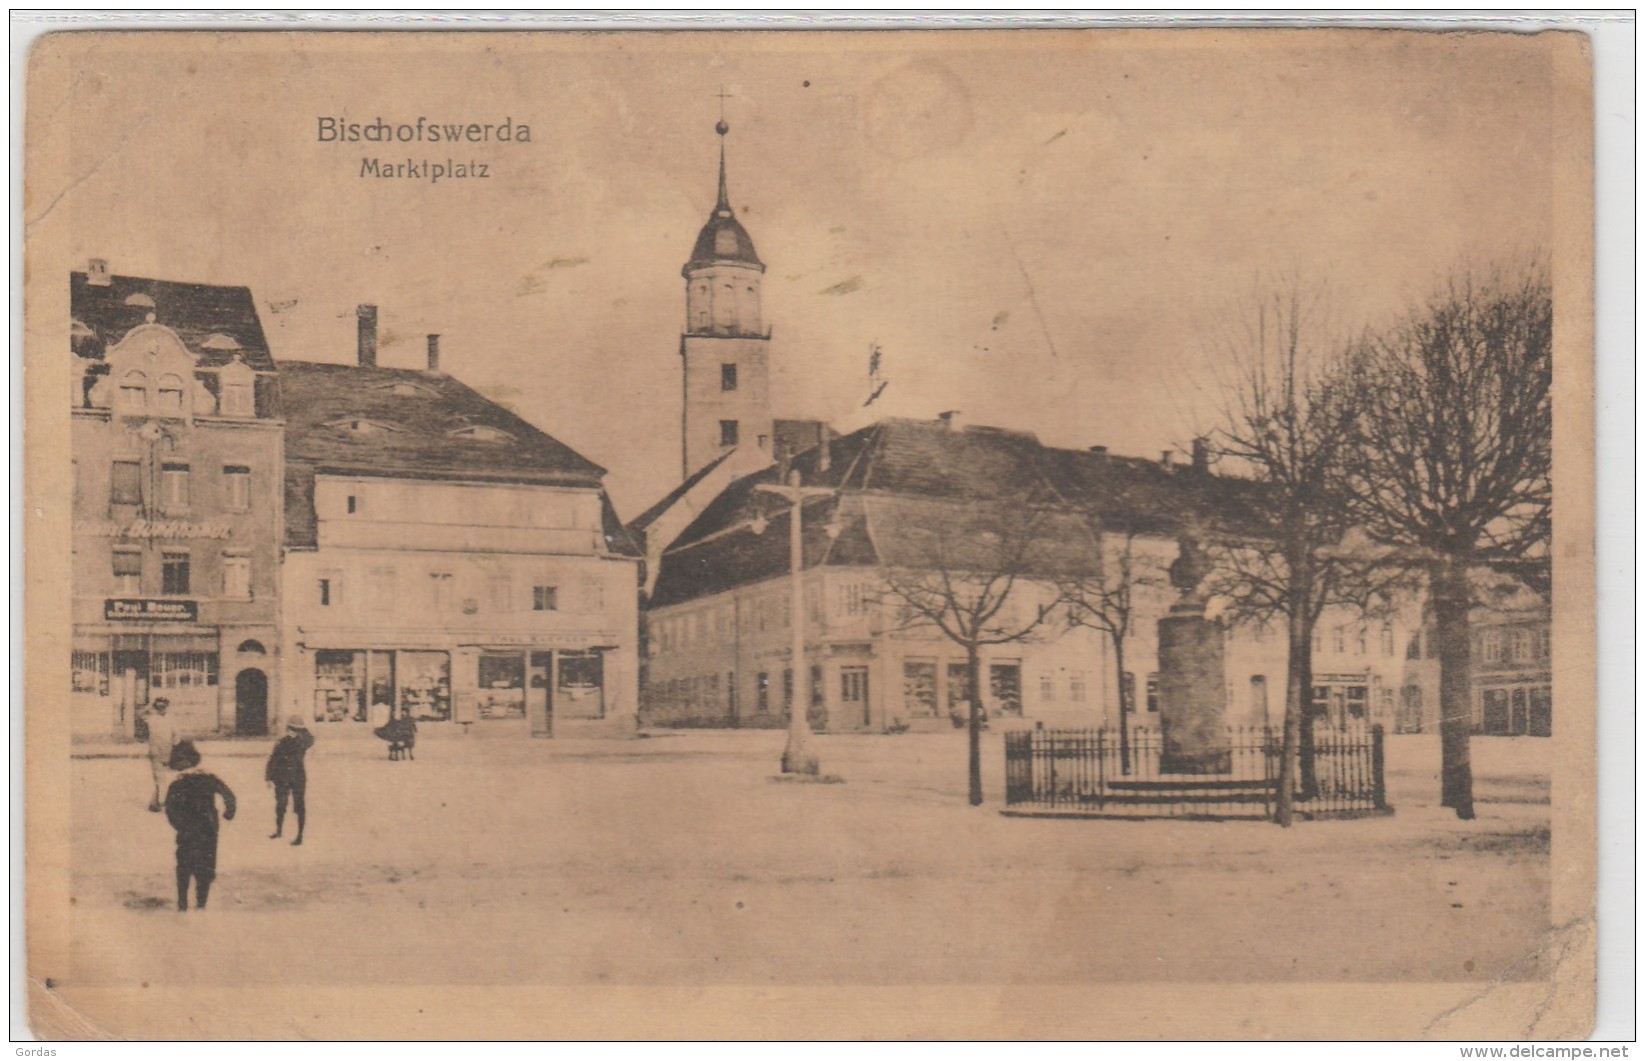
<point>191,807</point>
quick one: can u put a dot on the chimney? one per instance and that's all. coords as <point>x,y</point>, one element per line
<point>368,336</point>
<point>1202,454</point>
<point>950,418</point>
<point>824,457</point>
<point>433,352</point>
<point>97,272</point>
<point>1165,458</point>
<point>1101,451</point>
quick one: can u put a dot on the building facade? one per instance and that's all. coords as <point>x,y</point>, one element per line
<point>448,562</point>
<point>718,631</point>
<point>178,472</point>
<point>1510,653</point>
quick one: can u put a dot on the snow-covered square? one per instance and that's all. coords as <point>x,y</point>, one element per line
<point>674,860</point>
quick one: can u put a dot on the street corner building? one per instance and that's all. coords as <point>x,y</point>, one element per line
<point>177,472</point>
<point>904,495</point>
<point>446,561</point>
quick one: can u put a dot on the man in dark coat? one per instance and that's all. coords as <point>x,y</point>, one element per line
<point>285,771</point>
<point>191,807</point>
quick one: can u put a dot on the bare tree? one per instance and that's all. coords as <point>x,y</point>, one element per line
<point>972,572</point>
<point>1108,599</point>
<point>1452,467</point>
<point>1288,420</point>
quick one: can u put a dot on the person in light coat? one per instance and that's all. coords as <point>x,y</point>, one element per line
<point>162,738</point>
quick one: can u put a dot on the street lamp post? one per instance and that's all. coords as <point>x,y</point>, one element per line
<point>798,756</point>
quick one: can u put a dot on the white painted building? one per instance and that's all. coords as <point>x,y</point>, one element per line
<point>447,561</point>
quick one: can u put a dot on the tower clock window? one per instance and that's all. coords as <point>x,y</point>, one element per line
<point>728,432</point>
<point>728,377</point>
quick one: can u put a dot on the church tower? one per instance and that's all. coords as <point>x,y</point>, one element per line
<point>724,348</point>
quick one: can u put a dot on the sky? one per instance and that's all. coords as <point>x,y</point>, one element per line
<point>1045,232</point>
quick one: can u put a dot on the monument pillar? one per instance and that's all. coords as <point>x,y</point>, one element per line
<point>1193,691</point>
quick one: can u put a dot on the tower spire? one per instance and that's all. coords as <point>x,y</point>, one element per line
<point>722,208</point>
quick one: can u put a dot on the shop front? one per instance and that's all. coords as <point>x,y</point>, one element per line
<point>117,675</point>
<point>490,685</point>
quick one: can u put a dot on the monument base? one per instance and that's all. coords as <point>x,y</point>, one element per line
<point>1193,695</point>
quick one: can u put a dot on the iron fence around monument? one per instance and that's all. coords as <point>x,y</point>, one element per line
<point>1091,772</point>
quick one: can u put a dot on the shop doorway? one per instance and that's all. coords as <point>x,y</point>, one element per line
<point>540,695</point>
<point>251,703</point>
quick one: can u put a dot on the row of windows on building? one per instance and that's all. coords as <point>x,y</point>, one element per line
<point>163,397</point>
<point>176,486</point>
<point>1521,643</point>
<point>757,614</point>
<point>1354,638</point>
<point>497,593</point>
<point>94,669</point>
<point>177,572</point>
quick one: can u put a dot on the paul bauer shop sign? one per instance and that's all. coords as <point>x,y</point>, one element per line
<point>146,610</point>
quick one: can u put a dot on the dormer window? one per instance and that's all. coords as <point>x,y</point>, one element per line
<point>237,384</point>
<point>362,426</point>
<point>134,392</point>
<point>407,389</point>
<point>169,396</point>
<point>483,433</point>
<point>237,399</point>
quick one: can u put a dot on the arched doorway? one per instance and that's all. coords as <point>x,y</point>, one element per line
<point>251,703</point>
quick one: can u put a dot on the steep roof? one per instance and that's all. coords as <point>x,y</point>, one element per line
<point>420,425</point>
<point>644,520</point>
<point>215,322</point>
<point>906,487</point>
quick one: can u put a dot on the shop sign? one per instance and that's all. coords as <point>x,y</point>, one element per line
<point>161,528</point>
<point>150,610</point>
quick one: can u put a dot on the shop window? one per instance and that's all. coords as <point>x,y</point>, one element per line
<point>425,685</point>
<point>237,487</point>
<point>128,572</point>
<point>339,685</point>
<point>174,486</point>
<point>174,573</point>
<point>581,689</point>
<point>237,577</point>
<point>959,689</point>
<point>502,685</point>
<point>728,377</point>
<point>91,671</point>
<point>126,483</point>
<point>1541,721</point>
<point>728,432</point>
<point>545,598</point>
<point>919,687</point>
<point>182,670</point>
<point>1005,687</point>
